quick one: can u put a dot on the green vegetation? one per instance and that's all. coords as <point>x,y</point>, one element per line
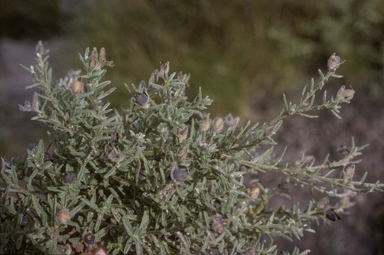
<point>160,177</point>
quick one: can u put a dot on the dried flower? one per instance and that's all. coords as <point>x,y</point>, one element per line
<point>114,155</point>
<point>334,62</point>
<point>28,107</point>
<point>184,153</point>
<point>182,133</point>
<point>164,68</point>
<point>94,60</point>
<point>349,171</point>
<point>343,149</point>
<point>323,202</point>
<point>219,225</point>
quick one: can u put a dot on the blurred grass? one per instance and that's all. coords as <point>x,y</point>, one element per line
<point>235,50</point>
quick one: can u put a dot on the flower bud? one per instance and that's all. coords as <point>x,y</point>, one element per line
<point>220,225</point>
<point>63,216</point>
<point>332,215</point>
<point>89,238</point>
<point>70,177</point>
<point>218,124</point>
<point>180,175</point>
<point>77,87</point>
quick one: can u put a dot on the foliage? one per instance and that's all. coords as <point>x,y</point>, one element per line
<point>160,178</point>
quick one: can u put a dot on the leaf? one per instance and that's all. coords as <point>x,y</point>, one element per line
<point>87,202</point>
<point>127,226</point>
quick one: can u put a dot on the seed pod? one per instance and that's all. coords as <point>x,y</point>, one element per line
<point>70,177</point>
<point>180,175</point>
<point>332,215</point>
<point>89,238</point>
<point>206,123</point>
<point>219,225</point>
<point>218,124</point>
<point>254,192</point>
<point>63,216</point>
<point>77,87</point>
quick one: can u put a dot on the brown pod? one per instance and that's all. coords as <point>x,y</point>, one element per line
<point>63,216</point>
<point>77,87</point>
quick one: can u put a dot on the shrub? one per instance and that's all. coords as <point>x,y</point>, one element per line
<point>161,177</point>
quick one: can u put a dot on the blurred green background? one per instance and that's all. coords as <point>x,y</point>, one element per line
<point>244,54</point>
